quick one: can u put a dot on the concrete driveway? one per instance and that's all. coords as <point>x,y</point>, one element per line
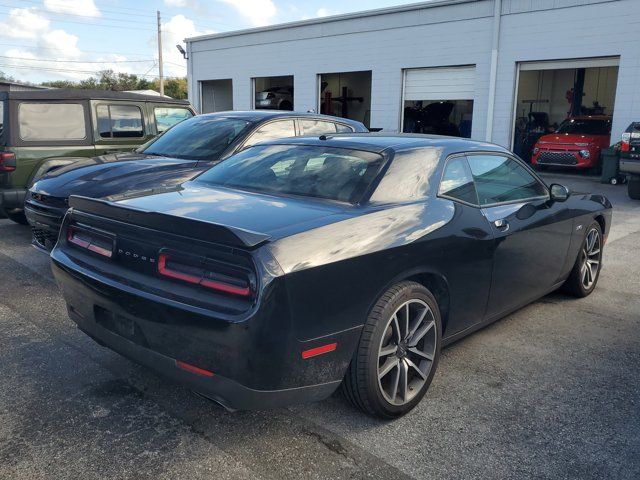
<point>548,392</point>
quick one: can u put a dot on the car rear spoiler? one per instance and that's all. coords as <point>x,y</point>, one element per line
<point>185,227</point>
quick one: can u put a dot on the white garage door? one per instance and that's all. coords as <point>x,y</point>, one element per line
<point>440,83</point>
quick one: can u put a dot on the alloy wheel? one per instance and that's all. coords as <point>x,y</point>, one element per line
<point>591,258</point>
<point>406,352</point>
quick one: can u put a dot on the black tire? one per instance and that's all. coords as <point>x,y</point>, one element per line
<point>633,188</point>
<point>575,284</point>
<point>361,385</point>
<point>18,217</point>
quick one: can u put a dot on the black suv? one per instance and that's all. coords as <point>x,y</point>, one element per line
<point>43,130</point>
<point>630,158</point>
<point>174,157</point>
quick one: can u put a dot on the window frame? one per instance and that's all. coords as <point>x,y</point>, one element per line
<point>495,204</point>
<point>257,126</point>
<point>350,127</point>
<point>468,170</point>
<point>311,119</point>
<point>12,109</point>
<point>121,139</point>
<point>155,119</point>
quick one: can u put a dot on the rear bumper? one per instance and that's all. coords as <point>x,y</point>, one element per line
<point>230,394</point>
<point>12,199</point>
<point>256,362</point>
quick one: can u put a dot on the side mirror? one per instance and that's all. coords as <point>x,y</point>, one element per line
<point>559,193</point>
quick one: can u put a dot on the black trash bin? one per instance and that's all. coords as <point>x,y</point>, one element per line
<point>610,161</point>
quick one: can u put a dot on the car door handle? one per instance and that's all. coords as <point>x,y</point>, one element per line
<point>501,224</point>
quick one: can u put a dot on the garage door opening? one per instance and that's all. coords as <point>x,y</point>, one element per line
<point>346,95</point>
<point>438,101</point>
<point>273,93</point>
<point>216,96</point>
<point>563,112</point>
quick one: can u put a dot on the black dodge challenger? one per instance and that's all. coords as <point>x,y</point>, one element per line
<point>301,265</point>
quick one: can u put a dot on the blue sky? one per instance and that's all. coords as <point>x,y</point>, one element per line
<point>71,39</point>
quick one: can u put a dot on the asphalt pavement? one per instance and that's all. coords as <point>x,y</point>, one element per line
<point>549,392</point>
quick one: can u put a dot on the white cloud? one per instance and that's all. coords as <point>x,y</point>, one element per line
<point>55,54</point>
<point>77,7</point>
<point>24,23</point>
<point>176,3</point>
<point>174,32</point>
<point>322,12</point>
<point>66,44</point>
<point>258,12</point>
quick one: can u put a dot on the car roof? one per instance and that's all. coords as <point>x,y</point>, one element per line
<point>261,115</point>
<point>81,94</point>
<point>380,142</point>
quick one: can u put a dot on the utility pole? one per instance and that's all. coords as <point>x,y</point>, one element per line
<point>160,55</point>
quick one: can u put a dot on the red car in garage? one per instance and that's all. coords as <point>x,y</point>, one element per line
<point>576,143</point>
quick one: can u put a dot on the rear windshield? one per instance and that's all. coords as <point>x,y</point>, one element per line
<point>198,138</point>
<point>585,126</point>
<point>309,171</point>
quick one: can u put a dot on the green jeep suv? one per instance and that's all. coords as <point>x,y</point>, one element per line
<point>45,129</point>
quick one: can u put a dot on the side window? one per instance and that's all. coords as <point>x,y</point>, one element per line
<point>317,127</point>
<point>167,117</point>
<point>51,121</point>
<point>120,121</point>
<point>457,181</point>
<point>271,131</point>
<point>342,128</point>
<point>408,176</point>
<point>501,179</point>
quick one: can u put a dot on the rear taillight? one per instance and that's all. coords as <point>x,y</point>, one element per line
<point>91,241</point>
<point>625,145</point>
<point>271,95</point>
<point>221,278</point>
<point>7,161</point>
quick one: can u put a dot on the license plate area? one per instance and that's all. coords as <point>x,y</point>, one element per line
<point>121,325</point>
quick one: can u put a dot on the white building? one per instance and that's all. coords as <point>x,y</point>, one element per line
<point>491,62</point>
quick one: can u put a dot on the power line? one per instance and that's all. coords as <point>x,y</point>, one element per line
<point>62,4</point>
<point>52,69</point>
<point>37,47</point>
<point>77,61</point>
<point>96,24</point>
<point>49,12</point>
<point>116,19</point>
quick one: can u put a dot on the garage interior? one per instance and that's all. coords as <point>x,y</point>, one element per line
<point>273,93</point>
<point>217,95</point>
<point>438,100</point>
<point>550,92</point>
<point>346,95</point>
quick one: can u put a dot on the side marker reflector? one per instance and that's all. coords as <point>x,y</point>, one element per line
<point>314,352</point>
<point>193,369</point>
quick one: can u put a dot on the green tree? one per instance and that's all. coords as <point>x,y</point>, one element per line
<point>106,80</point>
<point>173,87</point>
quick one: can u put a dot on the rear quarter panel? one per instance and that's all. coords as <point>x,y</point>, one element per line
<point>334,274</point>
